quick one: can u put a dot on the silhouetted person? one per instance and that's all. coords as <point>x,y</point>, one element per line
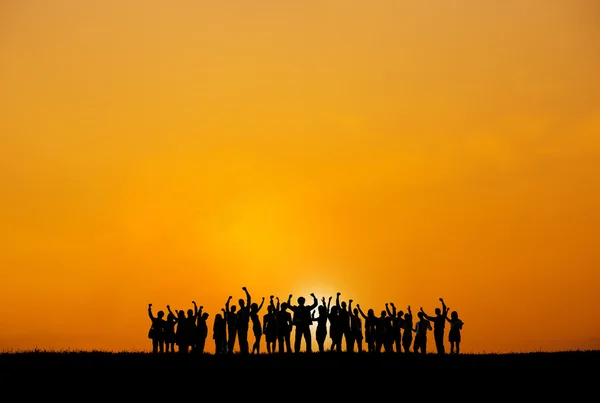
<point>284,328</point>
<point>439,323</point>
<point>270,327</point>
<point>421,329</point>
<point>355,328</point>
<point>335,333</point>
<point>321,332</point>
<point>157,330</point>
<point>231,319</point>
<point>407,334</point>
<point>397,325</point>
<point>302,321</point>
<point>202,332</point>
<point>184,334</point>
<point>192,317</point>
<point>220,334</point>
<point>344,315</point>
<point>243,320</point>
<point>456,326</point>
<point>370,328</point>
<point>256,327</point>
<point>170,332</point>
<point>383,331</point>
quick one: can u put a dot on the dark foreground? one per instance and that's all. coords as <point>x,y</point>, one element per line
<point>359,363</point>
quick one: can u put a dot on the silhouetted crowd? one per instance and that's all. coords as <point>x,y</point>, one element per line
<point>391,331</point>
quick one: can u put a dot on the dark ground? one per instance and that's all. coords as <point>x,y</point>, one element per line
<point>340,361</point>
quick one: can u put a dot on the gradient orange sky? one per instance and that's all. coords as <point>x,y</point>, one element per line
<point>392,150</point>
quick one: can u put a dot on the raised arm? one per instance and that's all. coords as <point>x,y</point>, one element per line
<point>248,299</point>
<point>409,311</point>
<point>261,305</point>
<point>150,312</point>
<point>350,307</point>
<point>337,299</point>
<point>444,307</point>
<point>425,315</point>
<point>361,312</point>
<point>278,305</point>
<point>227,304</point>
<point>195,308</point>
<point>289,301</point>
<point>315,301</point>
<point>387,309</point>
<point>329,304</point>
<point>171,312</point>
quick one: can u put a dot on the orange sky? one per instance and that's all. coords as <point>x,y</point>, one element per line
<point>391,150</point>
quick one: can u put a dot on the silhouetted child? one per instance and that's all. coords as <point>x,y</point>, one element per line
<point>456,326</point>
<point>421,329</point>
<point>157,330</point>
<point>220,334</point>
<point>370,328</point>
<point>170,332</point>
<point>256,327</point>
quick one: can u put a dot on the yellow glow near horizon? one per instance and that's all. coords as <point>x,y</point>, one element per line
<point>391,150</point>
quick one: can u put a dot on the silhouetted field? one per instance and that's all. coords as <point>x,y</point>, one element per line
<point>359,362</point>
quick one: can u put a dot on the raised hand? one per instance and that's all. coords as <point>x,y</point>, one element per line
<point>149,305</point>
<point>272,297</point>
<point>168,306</point>
<point>351,300</point>
<point>290,295</point>
<point>201,307</point>
<point>312,294</point>
<point>339,293</point>
<point>230,297</point>
<point>194,302</point>
<point>358,306</point>
<point>263,298</point>
<point>422,309</point>
<point>392,304</point>
<point>244,288</point>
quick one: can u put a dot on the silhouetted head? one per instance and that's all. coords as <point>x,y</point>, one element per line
<point>355,311</point>
<point>284,306</point>
<point>160,314</point>
<point>170,316</point>
<point>233,308</point>
<point>343,304</point>
<point>383,314</point>
<point>270,309</point>
<point>454,315</point>
<point>301,301</point>
<point>370,313</point>
<point>254,307</point>
<point>400,314</point>
<point>334,310</point>
<point>438,311</point>
<point>322,310</point>
<point>218,317</point>
<point>181,314</point>
<point>408,318</point>
<point>190,313</point>
<point>242,303</point>
<point>420,315</point>
<point>205,315</point>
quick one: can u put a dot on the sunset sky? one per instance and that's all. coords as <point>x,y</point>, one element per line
<point>161,152</point>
